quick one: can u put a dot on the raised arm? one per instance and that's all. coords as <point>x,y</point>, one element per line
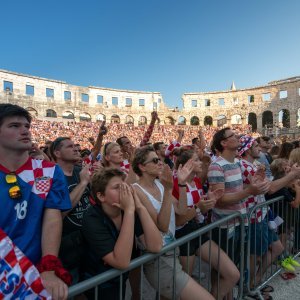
<point>149,131</point>
<point>78,191</point>
<point>99,140</point>
<point>163,218</point>
<point>284,181</point>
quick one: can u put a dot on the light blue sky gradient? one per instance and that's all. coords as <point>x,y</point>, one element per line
<point>169,46</point>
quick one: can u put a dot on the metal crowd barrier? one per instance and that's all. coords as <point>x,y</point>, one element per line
<point>95,281</point>
<point>288,233</point>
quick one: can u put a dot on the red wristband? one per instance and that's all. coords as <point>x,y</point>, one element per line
<point>52,263</point>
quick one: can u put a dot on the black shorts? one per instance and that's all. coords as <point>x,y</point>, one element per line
<point>229,242</point>
<point>195,243</point>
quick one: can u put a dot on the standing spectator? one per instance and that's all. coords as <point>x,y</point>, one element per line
<point>265,158</point>
<point>156,195</point>
<point>65,153</point>
<point>32,194</point>
<point>194,219</point>
<point>225,173</point>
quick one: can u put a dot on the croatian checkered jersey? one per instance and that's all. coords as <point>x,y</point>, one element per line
<point>125,166</point>
<point>42,185</point>
<point>249,170</point>
<point>171,147</point>
<point>193,194</point>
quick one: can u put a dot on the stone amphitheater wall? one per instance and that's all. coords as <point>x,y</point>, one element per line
<point>234,108</point>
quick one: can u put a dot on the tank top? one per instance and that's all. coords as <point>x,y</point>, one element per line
<point>169,236</point>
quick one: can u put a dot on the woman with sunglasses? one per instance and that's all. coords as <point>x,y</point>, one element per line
<point>199,204</point>
<point>154,189</point>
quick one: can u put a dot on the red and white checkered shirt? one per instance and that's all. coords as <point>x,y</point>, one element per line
<point>193,194</point>
<point>249,170</point>
<point>39,174</point>
<point>171,147</point>
<point>125,166</point>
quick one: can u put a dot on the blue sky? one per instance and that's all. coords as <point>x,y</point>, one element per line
<point>169,46</point>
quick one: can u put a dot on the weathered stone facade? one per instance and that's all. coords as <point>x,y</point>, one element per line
<point>258,106</point>
<point>64,101</point>
<point>47,98</point>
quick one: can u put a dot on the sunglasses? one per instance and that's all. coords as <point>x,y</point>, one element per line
<point>225,138</point>
<point>154,160</point>
<point>14,191</point>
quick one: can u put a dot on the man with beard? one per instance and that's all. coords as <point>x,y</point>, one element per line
<point>64,152</point>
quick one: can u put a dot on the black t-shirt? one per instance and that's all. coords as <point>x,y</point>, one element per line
<point>100,236</point>
<point>73,221</point>
<point>282,209</point>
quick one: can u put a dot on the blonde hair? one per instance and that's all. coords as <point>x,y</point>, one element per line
<point>295,156</point>
<point>106,150</point>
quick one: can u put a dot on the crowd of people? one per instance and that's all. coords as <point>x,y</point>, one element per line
<point>43,131</point>
<point>81,198</point>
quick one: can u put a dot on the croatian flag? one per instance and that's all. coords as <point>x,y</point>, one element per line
<point>19,279</point>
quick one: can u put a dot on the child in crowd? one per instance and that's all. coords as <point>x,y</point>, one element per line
<point>199,204</point>
<point>110,227</point>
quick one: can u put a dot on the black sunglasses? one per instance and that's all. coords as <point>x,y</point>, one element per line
<point>225,138</point>
<point>155,160</point>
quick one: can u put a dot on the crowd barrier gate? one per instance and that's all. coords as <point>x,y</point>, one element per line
<point>93,282</point>
<point>242,288</point>
<point>288,233</point>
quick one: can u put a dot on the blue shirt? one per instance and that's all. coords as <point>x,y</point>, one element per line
<point>42,185</point>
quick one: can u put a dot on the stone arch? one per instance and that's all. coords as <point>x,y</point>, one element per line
<point>236,119</point>
<point>169,120</point>
<point>115,119</point>
<point>85,117</point>
<point>221,120</point>
<point>100,117</point>
<point>181,120</point>
<point>208,120</point>
<point>267,118</point>
<point>252,120</point>
<point>32,111</point>
<point>195,121</point>
<point>68,115</point>
<point>129,120</point>
<point>50,113</point>
<point>284,118</point>
<point>142,120</point>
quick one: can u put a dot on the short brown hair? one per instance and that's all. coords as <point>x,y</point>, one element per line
<point>56,145</point>
<point>101,179</point>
